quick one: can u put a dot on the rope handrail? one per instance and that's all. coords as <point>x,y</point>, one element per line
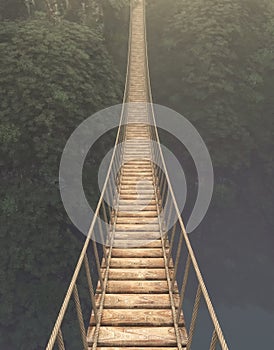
<point>72,284</point>
<point>166,191</point>
<point>200,279</point>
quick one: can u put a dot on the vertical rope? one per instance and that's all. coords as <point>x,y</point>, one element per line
<point>80,317</point>
<point>171,242</point>
<point>90,287</point>
<point>183,289</point>
<point>97,262</point>
<point>60,340</point>
<point>177,260</point>
<point>194,317</point>
<point>214,340</point>
<point>102,237</point>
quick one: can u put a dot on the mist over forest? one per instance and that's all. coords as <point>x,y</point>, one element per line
<point>211,61</point>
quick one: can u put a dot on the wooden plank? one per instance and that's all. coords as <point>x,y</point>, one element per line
<point>143,301</point>
<point>138,162</point>
<point>136,262</point>
<point>136,176</point>
<point>134,336</point>
<point>140,196</point>
<point>137,208</point>
<point>144,163</point>
<point>137,253</point>
<point>136,317</point>
<point>138,244</point>
<point>137,220</point>
<point>138,214</point>
<point>137,287</point>
<point>137,274</point>
<point>134,180</point>
<point>138,227</point>
<point>149,204</point>
<point>134,348</point>
<point>138,185</point>
<point>137,235</point>
<point>137,191</point>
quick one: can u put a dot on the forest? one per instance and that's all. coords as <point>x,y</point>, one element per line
<point>212,61</point>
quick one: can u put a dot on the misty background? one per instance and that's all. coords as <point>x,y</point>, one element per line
<point>213,62</point>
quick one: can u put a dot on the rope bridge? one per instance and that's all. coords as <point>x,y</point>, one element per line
<point>137,303</point>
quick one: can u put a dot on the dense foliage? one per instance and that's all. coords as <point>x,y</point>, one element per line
<point>57,66</point>
<point>216,60</point>
<point>52,77</point>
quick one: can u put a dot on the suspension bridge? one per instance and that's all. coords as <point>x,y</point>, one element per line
<point>137,303</point>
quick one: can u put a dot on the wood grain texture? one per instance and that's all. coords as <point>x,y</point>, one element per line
<point>137,287</point>
<point>137,274</point>
<point>137,253</point>
<point>138,243</point>
<point>136,317</point>
<point>137,262</point>
<point>134,348</point>
<point>137,311</point>
<point>126,301</point>
<point>135,336</point>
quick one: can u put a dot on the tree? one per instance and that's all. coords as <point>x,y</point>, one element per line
<point>52,77</point>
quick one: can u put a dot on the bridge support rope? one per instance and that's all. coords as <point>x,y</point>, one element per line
<point>137,303</point>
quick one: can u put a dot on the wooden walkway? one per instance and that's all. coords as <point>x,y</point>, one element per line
<point>137,308</point>
<point>137,305</point>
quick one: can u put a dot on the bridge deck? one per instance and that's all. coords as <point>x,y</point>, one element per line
<point>137,307</point>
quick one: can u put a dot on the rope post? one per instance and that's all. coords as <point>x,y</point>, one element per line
<point>109,208</point>
<point>60,340</point>
<point>171,242</point>
<point>164,191</point>
<point>80,317</point>
<point>104,212</point>
<point>177,261</point>
<point>97,262</point>
<point>194,317</point>
<point>90,287</point>
<point>183,289</point>
<point>102,237</point>
<point>213,340</point>
<point>112,186</point>
<point>161,180</point>
<point>167,222</point>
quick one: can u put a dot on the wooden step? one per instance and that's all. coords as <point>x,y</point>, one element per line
<point>134,348</point>
<point>151,236</point>
<point>142,301</point>
<point>138,227</point>
<point>137,191</point>
<point>144,244</point>
<point>137,274</point>
<point>137,253</point>
<point>135,336</point>
<point>137,287</point>
<point>126,208</point>
<point>148,198</point>
<point>136,317</point>
<point>135,178</point>
<point>136,262</point>
<point>137,214</point>
<point>140,219</point>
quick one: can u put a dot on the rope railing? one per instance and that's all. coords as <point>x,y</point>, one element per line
<point>105,210</point>
<point>169,203</point>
